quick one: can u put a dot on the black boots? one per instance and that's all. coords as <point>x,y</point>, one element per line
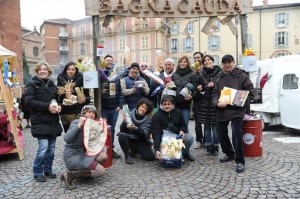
<point>212,150</point>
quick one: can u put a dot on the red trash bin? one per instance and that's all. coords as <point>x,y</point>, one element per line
<point>252,138</point>
<point>108,144</point>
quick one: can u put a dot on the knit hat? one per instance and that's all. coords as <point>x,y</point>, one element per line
<point>134,65</point>
<point>89,108</point>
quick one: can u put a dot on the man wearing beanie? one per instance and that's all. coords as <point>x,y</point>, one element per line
<point>134,87</point>
<point>231,77</point>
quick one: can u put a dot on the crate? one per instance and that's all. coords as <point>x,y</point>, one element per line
<point>171,162</point>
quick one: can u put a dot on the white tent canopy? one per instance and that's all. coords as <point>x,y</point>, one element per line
<point>6,52</point>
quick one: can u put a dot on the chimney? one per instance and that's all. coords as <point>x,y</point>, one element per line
<point>265,3</point>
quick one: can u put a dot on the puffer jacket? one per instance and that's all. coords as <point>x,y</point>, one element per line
<point>236,79</point>
<point>38,95</point>
<point>204,110</point>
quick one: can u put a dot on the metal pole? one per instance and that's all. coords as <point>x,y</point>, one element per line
<point>96,39</point>
<point>237,40</point>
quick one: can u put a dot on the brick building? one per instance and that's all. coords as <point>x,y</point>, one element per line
<point>10,30</point>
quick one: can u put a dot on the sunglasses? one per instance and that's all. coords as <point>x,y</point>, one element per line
<point>144,66</point>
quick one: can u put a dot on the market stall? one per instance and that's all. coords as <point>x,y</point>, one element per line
<point>11,140</point>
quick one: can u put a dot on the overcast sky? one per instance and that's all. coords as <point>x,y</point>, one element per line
<point>35,12</point>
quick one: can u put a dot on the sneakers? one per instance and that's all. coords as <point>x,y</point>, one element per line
<point>40,178</point>
<point>50,174</point>
<point>128,160</point>
<point>115,155</point>
<point>226,159</point>
<point>240,168</point>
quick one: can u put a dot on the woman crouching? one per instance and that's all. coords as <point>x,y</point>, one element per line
<point>76,160</point>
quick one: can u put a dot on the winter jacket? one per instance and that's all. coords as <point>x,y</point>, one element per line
<point>204,110</point>
<point>172,121</point>
<point>38,95</point>
<point>112,102</point>
<point>236,79</point>
<point>131,97</point>
<point>62,80</point>
<point>143,125</point>
<point>74,153</point>
<point>181,80</point>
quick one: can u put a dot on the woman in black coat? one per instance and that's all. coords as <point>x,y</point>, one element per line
<point>135,135</point>
<point>70,111</point>
<point>205,112</point>
<point>40,96</point>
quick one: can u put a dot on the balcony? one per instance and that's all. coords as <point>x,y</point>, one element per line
<point>63,35</point>
<point>63,49</point>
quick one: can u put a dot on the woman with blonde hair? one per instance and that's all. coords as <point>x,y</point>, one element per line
<point>40,96</point>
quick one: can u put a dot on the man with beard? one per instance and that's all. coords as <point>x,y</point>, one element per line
<point>134,87</point>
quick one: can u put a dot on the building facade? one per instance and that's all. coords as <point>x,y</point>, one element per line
<point>10,31</point>
<point>272,31</point>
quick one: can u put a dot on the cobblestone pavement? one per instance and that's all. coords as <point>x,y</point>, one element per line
<point>274,175</point>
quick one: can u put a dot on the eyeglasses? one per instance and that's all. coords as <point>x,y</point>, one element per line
<point>144,66</point>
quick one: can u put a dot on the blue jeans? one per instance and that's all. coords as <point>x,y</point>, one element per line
<point>211,134</point>
<point>186,117</point>
<point>44,156</point>
<point>111,116</point>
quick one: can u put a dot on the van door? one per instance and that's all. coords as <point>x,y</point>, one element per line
<point>290,101</point>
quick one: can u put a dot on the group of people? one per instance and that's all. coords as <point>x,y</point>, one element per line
<point>152,111</point>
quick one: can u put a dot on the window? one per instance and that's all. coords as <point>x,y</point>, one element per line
<point>63,59</point>
<point>122,44</point>
<point>281,39</point>
<point>175,59</point>
<point>145,43</point>
<point>214,43</point>
<point>216,59</point>
<point>281,20</point>
<point>145,58</point>
<point>190,27</point>
<point>36,51</point>
<point>175,29</point>
<point>62,30</point>
<point>174,46</point>
<point>188,44</point>
<point>82,31</point>
<point>82,48</point>
<point>290,81</point>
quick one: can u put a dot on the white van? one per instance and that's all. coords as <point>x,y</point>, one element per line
<point>280,92</point>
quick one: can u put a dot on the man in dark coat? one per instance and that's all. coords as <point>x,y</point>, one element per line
<point>231,77</point>
<point>170,118</point>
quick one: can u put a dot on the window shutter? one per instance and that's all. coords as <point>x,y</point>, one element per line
<point>286,39</point>
<point>276,40</point>
<point>276,20</point>
<point>218,40</point>
<point>183,44</point>
<point>209,43</point>
<point>177,45</point>
<point>287,20</point>
<point>170,46</point>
